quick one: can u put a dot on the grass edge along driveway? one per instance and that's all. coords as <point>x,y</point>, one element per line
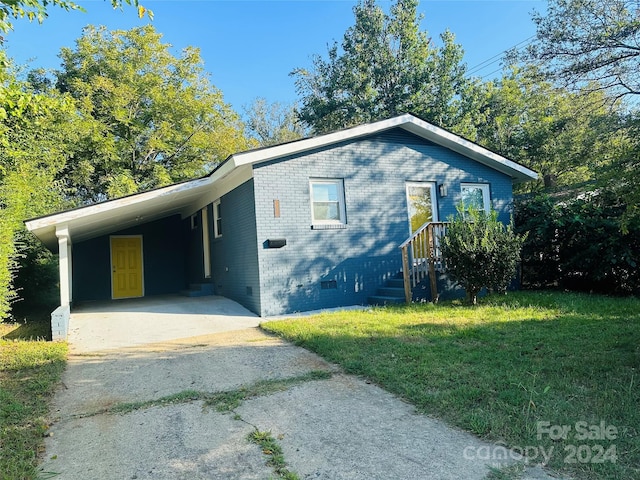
<point>30,370</point>
<point>549,374</point>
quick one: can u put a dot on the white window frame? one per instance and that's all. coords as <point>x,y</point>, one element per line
<point>217,220</point>
<point>486,193</point>
<point>341,201</point>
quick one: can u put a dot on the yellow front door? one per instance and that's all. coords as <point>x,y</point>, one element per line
<point>126,267</point>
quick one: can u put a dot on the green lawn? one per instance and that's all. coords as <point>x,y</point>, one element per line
<point>30,368</point>
<point>500,368</point>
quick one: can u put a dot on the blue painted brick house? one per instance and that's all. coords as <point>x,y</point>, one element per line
<point>310,224</point>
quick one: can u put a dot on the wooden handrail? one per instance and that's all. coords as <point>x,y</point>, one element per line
<point>421,256</point>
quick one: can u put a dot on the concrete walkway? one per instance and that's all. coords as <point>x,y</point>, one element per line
<point>334,428</point>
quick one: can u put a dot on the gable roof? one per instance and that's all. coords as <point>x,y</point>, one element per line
<point>408,122</point>
<point>187,197</point>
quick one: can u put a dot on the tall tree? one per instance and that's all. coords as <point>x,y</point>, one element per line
<point>386,65</point>
<point>596,43</point>
<point>36,134</point>
<point>151,118</point>
<point>562,135</point>
<point>591,41</point>
<point>272,123</point>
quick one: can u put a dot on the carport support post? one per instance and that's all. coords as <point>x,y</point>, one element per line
<point>64,265</point>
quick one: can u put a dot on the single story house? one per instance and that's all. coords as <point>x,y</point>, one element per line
<point>314,223</point>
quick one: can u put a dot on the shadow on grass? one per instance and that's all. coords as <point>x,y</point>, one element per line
<point>29,331</point>
<point>499,369</point>
<point>27,323</point>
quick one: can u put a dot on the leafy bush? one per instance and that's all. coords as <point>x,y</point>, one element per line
<point>481,252</point>
<point>578,244</point>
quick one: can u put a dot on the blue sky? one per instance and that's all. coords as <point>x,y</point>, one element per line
<point>249,47</point>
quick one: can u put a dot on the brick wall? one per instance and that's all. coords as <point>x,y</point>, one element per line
<point>234,255</point>
<point>361,256</point>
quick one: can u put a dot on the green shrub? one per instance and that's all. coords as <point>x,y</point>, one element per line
<point>481,252</point>
<point>577,243</point>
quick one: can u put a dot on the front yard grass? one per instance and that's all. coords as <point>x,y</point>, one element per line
<point>30,368</point>
<point>504,366</point>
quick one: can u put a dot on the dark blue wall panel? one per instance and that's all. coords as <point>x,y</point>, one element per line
<point>163,261</point>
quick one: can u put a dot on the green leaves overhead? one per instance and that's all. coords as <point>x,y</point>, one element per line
<point>37,10</point>
<point>150,118</point>
<point>582,41</point>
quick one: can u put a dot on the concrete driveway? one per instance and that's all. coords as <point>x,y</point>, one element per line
<point>139,321</point>
<point>144,407</point>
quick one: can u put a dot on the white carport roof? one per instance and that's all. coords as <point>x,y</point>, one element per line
<point>95,220</point>
<point>186,198</point>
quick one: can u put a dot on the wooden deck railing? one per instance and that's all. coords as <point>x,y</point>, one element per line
<point>421,257</point>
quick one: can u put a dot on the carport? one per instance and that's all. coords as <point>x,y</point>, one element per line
<point>169,226</point>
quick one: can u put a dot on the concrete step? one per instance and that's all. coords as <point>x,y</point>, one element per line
<point>198,290</point>
<point>391,292</point>
<point>384,300</point>
<point>395,283</point>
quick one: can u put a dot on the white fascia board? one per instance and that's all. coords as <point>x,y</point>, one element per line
<point>300,146</point>
<point>409,123</point>
<point>104,207</point>
<point>221,186</point>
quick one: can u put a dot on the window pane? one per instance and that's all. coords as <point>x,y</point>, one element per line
<point>472,197</point>
<point>420,207</point>
<point>325,192</point>
<point>326,211</point>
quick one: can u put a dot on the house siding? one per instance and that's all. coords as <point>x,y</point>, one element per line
<point>234,256</point>
<point>163,256</point>
<point>360,257</point>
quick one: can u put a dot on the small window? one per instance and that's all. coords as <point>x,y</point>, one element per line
<point>476,195</point>
<point>327,202</point>
<point>194,221</point>
<point>217,219</point>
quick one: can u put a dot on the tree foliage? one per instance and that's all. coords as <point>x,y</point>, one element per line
<point>564,136</point>
<point>37,10</point>
<point>594,45</point>
<point>36,134</point>
<point>480,251</point>
<point>591,41</point>
<point>150,118</point>
<point>386,65</point>
<point>272,123</point>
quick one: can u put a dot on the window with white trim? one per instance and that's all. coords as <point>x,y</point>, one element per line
<point>217,219</point>
<point>327,202</point>
<point>476,195</point>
